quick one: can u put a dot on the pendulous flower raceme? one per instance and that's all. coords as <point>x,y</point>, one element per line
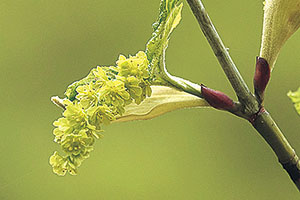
<point>117,93</point>
<point>96,100</point>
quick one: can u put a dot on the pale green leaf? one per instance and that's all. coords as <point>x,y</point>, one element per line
<point>163,99</point>
<point>169,18</point>
<point>295,97</point>
<point>281,20</point>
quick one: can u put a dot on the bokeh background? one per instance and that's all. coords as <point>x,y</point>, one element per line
<point>188,154</point>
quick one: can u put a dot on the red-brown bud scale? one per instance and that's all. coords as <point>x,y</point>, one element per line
<point>261,77</point>
<point>217,99</point>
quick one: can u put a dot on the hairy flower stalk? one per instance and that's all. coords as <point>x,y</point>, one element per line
<point>281,20</point>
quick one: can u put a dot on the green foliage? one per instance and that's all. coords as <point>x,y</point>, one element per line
<point>102,95</point>
<point>295,97</point>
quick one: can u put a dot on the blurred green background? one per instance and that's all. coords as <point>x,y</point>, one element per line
<point>188,154</point>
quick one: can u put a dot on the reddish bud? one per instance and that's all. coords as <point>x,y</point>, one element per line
<point>217,99</point>
<point>261,77</point>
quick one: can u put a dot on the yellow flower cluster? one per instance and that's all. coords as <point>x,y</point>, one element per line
<point>95,100</point>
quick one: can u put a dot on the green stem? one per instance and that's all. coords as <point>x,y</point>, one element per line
<point>254,112</point>
<point>268,129</point>
<point>241,89</point>
<point>177,82</point>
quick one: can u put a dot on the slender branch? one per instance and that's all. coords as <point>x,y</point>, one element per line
<point>241,89</point>
<point>257,115</point>
<point>268,129</point>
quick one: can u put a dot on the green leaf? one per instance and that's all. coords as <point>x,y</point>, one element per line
<point>295,97</point>
<point>169,18</point>
<point>281,20</point>
<point>163,99</point>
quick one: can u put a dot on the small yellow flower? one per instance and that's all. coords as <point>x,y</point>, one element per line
<point>59,164</point>
<point>100,75</point>
<point>77,144</point>
<point>62,165</point>
<point>63,129</point>
<point>75,114</point>
<point>100,114</point>
<point>87,95</point>
<point>133,87</point>
<point>114,93</point>
<point>136,66</point>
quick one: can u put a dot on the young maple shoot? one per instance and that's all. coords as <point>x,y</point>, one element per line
<point>140,87</point>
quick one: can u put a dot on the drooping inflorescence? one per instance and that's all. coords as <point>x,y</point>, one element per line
<point>93,101</point>
<point>102,95</point>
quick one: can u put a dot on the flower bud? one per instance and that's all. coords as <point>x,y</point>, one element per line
<point>281,20</point>
<point>261,77</point>
<point>217,99</point>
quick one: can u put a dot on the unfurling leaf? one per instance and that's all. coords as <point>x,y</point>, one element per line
<point>163,100</point>
<point>295,97</point>
<point>281,20</point>
<point>169,18</point>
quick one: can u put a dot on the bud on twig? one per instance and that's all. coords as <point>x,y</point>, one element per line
<point>217,99</point>
<point>261,77</point>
